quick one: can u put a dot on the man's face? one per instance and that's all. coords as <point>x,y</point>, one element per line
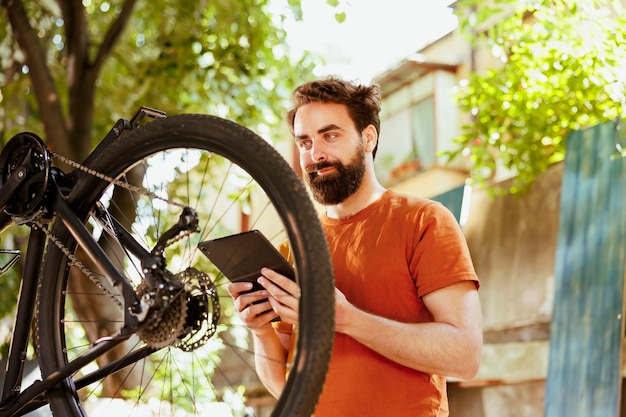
<point>332,154</point>
<point>335,187</point>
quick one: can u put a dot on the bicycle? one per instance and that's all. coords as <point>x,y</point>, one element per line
<point>128,316</point>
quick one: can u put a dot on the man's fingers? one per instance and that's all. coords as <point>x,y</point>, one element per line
<point>284,295</point>
<point>279,293</point>
<point>280,283</point>
<point>237,288</point>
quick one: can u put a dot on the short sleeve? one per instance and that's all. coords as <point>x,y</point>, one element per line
<point>440,253</point>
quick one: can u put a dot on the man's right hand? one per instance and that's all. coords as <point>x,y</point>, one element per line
<point>253,308</point>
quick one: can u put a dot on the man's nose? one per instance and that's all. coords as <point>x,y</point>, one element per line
<point>318,153</point>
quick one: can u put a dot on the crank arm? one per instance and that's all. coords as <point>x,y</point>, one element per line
<point>9,189</point>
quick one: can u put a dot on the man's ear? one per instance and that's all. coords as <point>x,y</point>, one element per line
<point>371,138</point>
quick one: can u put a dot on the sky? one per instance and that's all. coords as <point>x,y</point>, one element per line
<point>376,35</point>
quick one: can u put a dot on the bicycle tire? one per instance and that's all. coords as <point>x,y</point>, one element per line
<point>235,146</point>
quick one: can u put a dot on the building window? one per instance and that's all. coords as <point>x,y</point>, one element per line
<point>407,142</point>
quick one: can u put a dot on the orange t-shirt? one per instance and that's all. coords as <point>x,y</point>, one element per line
<point>385,258</point>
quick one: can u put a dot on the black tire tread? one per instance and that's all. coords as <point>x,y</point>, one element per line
<point>264,163</point>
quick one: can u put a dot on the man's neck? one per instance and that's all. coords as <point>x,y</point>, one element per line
<point>368,192</point>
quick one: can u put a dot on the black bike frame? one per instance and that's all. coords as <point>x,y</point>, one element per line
<point>25,312</point>
<point>16,401</point>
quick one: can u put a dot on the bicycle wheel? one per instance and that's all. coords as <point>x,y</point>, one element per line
<point>235,181</point>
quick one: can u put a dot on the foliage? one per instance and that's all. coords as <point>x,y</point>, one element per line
<point>562,69</point>
<point>223,57</point>
<point>340,16</point>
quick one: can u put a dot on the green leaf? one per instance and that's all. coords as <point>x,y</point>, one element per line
<point>560,72</point>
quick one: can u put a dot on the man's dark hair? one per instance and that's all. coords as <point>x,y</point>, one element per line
<point>363,102</point>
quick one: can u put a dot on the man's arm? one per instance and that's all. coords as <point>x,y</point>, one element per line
<point>270,347</point>
<point>270,359</point>
<point>449,346</point>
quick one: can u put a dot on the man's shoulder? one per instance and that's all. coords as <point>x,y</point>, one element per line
<point>410,202</point>
<point>419,209</point>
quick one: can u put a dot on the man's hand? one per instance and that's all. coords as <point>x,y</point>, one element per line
<point>284,295</point>
<point>280,298</point>
<point>342,311</point>
<point>254,308</point>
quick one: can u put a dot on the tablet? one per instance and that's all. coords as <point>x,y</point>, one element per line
<point>241,257</point>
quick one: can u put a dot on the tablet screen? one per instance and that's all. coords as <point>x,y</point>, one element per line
<point>241,257</point>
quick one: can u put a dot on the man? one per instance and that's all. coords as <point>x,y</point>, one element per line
<point>407,307</point>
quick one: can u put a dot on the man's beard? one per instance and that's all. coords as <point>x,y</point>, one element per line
<point>334,188</point>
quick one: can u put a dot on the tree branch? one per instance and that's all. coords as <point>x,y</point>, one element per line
<point>42,82</point>
<point>81,85</point>
<point>75,24</point>
<point>113,34</point>
<point>82,74</point>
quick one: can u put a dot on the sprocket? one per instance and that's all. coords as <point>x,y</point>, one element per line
<point>189,317</point>
<point>163,326</point>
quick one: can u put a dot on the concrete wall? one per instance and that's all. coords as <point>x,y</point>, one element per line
<point>513,242</point>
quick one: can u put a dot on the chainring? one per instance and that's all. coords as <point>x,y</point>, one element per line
<point>26,149</point>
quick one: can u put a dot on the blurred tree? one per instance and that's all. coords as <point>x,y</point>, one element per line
<point>71,69</point>
<point>562,70</point>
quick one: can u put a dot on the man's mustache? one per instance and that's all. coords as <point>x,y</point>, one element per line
<point>320,165</point>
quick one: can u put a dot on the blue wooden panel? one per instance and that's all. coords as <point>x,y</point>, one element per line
<point>587,329</point>
<point>453,200</point>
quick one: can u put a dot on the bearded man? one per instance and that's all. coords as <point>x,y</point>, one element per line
<point>407,312</point>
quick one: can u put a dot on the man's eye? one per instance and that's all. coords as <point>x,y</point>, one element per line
<point>304,144</point>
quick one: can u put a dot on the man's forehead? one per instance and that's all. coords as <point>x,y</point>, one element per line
<point>316,116</point>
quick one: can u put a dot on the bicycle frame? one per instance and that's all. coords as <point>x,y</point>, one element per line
<point>16,401</point>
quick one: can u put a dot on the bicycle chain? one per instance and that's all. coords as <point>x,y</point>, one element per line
<point>124,185</point>
<point>74,261</point>
<point>113,181</point>
<point>162,327</point>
